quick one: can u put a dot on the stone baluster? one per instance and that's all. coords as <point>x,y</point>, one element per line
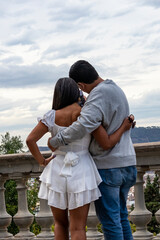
<point>44,218</point>
<point>140,216</point>
<point>92,221</point>
<point>5,218</point>
<point>23,218</point>
<point>157,214</point>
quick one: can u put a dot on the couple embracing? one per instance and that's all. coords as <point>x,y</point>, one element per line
<point>93,156</point>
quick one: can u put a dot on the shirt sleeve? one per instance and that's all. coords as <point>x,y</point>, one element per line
<point>90,119</point>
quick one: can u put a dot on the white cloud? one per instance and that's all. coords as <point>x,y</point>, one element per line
<point>39,40</point>
<point>146,108</point>
<point>66,50</point>
<point>154,3</point>
<point>12,75</point>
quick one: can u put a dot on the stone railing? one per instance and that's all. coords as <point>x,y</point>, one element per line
<point>148,159</point>
<point>21,167</point>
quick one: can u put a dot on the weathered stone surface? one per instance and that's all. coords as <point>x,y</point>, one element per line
<point>21,166</point>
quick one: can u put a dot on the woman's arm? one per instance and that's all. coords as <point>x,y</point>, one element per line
<point>108,141</point>
<point>31,141</point>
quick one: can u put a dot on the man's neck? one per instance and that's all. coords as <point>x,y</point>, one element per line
<point>96,82</point>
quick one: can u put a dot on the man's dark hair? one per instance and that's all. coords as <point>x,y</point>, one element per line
<point>83,71</point>
<point>66,92</point>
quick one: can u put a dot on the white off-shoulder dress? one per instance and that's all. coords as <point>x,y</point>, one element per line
<point>71,179</point>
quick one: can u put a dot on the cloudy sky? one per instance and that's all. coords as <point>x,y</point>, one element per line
<point>39,40</point>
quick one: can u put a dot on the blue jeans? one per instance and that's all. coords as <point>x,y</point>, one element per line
<point>111,207</point>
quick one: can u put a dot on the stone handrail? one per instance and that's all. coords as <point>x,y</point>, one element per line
<point>148,159</point>
<point>20,167</point>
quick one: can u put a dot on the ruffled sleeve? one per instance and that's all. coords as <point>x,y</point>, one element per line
<point>48,119</point>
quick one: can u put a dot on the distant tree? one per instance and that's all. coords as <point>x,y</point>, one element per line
<point>152,200</point>
<point>32,198</point>
<point>11,199</point>
<point>10,144</point>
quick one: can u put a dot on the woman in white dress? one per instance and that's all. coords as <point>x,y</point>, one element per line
<point>70,178</point>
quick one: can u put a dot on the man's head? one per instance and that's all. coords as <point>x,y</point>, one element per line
<point>84,74</point>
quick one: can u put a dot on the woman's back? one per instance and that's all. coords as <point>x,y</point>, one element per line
<point>66,116</point>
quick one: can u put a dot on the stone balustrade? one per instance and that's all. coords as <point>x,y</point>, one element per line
<point>21,167</point>
<point>148,159</point>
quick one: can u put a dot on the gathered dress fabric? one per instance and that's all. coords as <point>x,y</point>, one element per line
<point>71,179</point>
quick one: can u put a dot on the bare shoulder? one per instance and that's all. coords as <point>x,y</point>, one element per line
<point>58,114</point>
<point>66,116</point>
<point>76,113</point>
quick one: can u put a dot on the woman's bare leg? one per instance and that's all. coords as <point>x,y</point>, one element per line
<point>61,230</point>
<point>78,219</point>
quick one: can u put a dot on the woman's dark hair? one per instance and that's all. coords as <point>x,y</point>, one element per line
<point>66,92</point>
<point>83,71</point>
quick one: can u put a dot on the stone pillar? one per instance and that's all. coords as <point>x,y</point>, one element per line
<point>44,218</point>
<point>157,214</point>
<point>140,216</point>
<point>5,218</point>
<point>92,221</point>
<point>23,218</point>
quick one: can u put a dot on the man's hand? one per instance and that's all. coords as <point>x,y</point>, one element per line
<point>49,145</point>
<point>131,120</point>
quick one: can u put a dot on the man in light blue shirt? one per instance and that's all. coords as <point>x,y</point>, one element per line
<point>106,104</point>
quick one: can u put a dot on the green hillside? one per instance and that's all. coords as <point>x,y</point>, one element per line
<point>138,135</point>
<point>145,134</point>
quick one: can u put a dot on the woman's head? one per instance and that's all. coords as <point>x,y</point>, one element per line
<point>66,92</point>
